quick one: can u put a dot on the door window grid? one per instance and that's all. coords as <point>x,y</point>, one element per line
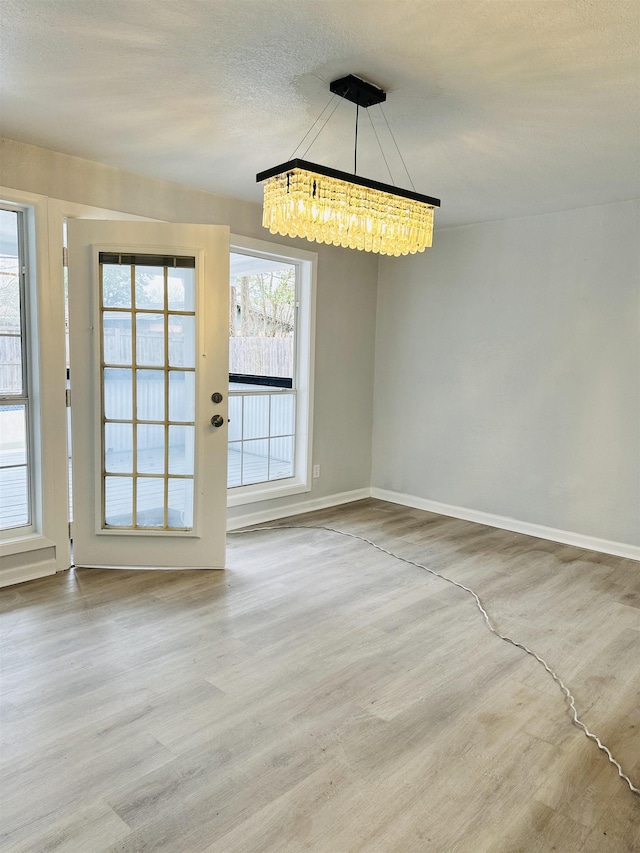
<point>15,449</point>
<point>148,386</point>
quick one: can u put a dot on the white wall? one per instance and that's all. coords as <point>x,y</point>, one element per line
<point>507,371</point>
<point>506,357</point>
<point>345,309</point>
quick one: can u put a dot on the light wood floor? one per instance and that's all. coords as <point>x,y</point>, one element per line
<point>321,696</point>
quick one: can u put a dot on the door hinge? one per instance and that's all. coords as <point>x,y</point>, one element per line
<point>67,397</point>
<point>65,256</point>
<point>71,530</point>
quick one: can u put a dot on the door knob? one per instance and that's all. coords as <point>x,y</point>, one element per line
<point>217,421</point>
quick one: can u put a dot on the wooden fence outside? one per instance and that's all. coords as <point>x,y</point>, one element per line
<point>251,355</point>
<point>261,356</point>
<point>10,365</point>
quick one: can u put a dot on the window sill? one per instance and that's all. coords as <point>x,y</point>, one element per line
<point>24,543</point>
<point>241,495</point>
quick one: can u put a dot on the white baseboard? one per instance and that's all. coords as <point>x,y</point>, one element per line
<point>566,537</point>
<point>248,519</point>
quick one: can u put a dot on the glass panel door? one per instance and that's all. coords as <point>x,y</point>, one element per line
<point>148,352</point>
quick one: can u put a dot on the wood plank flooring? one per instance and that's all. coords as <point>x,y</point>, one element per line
<point>321,696</point>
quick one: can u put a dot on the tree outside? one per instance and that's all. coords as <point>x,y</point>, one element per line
<point>261,323</point>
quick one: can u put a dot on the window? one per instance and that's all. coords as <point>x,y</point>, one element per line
<point>148,336</point>
<point>16,509</point>
<point>270,358</point>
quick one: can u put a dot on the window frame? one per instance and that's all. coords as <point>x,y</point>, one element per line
<point>43,547</point>
<point>24,398</point>
<point>304,351</point>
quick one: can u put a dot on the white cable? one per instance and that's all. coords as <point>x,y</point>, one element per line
<point>567,693</point>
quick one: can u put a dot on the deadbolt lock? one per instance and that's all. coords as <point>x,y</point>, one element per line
<point>217,397</point>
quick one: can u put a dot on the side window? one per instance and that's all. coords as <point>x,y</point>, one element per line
<point>270,310</point>
<point>16,510</point>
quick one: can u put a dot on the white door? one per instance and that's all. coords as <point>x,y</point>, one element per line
<point>148,317</point>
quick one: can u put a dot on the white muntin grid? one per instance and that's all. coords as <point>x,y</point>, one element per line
<point>253,464</point>
<point>140,485</point>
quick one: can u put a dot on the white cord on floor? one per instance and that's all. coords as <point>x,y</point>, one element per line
<point>567,693</point>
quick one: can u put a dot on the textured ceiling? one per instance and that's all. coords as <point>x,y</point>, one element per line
<point>500,107</point>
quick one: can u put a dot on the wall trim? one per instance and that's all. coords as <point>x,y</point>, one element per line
<point>552,534</point>
<point>22,574</point>
<point>565,537</point>
<point>248,519</point>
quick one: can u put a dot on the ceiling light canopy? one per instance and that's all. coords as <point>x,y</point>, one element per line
<point>303,199</point>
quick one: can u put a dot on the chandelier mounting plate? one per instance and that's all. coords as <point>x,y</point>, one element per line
<point>358,91</point>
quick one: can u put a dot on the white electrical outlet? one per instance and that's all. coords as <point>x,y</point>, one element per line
<point>316,472</point>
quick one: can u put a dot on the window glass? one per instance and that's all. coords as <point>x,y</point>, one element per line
<point>148,414</point>
<point>261,318</point>
<point>15,505</point>
<point>262,369</point>
<point>11,378</point>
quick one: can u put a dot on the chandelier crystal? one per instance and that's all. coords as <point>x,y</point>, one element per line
<point>302,200</point>
<point>324,205</point>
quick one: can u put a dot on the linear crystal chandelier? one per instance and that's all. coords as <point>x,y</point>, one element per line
<point>303,199</point>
